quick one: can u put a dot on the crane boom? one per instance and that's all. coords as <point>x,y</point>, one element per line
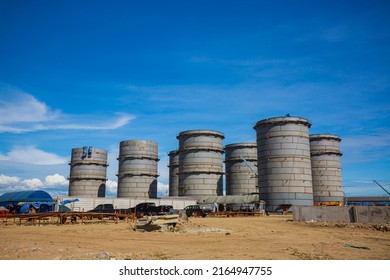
<point>381,187</point>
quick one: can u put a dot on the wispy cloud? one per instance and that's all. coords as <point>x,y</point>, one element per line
<point>22,112</point>
<point>253,62</point>
<point>17,106</point>
<point>372,141</point>
<point>366,148</point>
<point>94,123</point>
<point>365,187</point>
<point>331,34</point>
<point>264,97</point>
<point>344,109</point>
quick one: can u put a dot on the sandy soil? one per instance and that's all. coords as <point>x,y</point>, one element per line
<point>244,238</point>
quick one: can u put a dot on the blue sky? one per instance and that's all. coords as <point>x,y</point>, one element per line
<point>75,73</point>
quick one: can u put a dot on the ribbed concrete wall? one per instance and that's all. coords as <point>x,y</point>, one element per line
<point>137,187</point>
<point>349,214</point>
<point>137,169</point>
<point>200,163</point>
<point>326,168</point>
<point>284,165</point>
<point>239,178</point>
<point>173,173</point>
<point>88,175</point>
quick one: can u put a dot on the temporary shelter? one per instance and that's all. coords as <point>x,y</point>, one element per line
<point>22,201</point>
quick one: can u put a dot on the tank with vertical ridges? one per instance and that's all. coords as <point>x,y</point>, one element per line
<point>239,177</point>
<point>137,169</point>
<point>284,165</point>
<point>173,173</point>
<point>326,168</point>
<point>200,163</point>
<point>88,172</point>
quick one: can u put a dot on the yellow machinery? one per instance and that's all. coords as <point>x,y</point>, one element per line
<point>329,203</point>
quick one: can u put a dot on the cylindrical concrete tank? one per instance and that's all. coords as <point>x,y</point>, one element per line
<point>173,173</point>
<point>200,163</point>
<point>137,169</point>
<point>88,172</point>
<point>326,168</point>
<point>240,179</point>
<point>284,166</point>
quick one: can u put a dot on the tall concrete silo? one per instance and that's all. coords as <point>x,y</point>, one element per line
<point>200,163</point>
<point>284,165</point>
<point>88,172</point>
<point>137,169</point>
<point>326,168</point>
<point>173,173</point>
<point>240,179</point>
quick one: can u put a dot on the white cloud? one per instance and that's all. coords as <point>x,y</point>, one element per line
<point>32,155</point>
<point>55,184</point>
<point>24,108</point>
<point>163,169</point>
<point>22,112</point>
<point>111,186</point>
<point>162,189</point>
<point>94,123</point>
<point>7,180</point>
<point>56,180</point>
<point>112,168</point>
<point>33,183</point>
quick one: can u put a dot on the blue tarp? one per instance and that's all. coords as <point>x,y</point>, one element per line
<point>38,206</point>
<point>41,207</point>
<point>26,196</point>
<point>69,201</point>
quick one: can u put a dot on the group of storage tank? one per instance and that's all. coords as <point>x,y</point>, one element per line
<point>295,168</point>
<point>286,165</point>
<point>137,170</point>
<point>196,168</point>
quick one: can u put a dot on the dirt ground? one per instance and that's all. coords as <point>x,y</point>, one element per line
<point>211,238</point>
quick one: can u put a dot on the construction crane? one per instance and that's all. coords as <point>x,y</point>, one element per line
<point>381,187</point>
<point>249,166</point>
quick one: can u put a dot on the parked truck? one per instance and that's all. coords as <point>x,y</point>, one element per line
<point>141,209</point>
<point>150,208</point>
<point>103,208</point>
